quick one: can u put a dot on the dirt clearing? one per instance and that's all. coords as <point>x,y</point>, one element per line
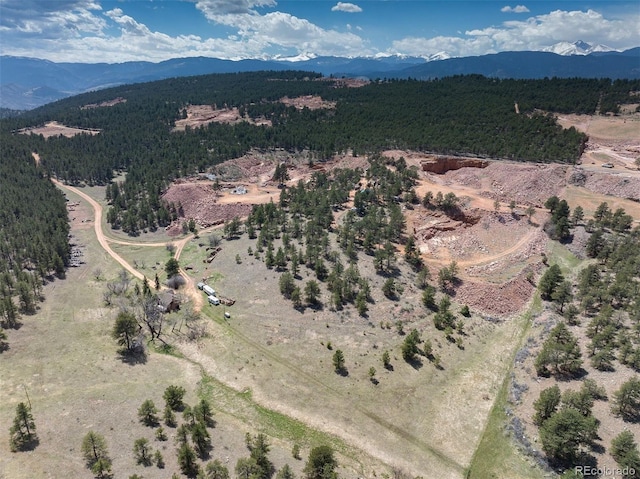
<point>53,128</point>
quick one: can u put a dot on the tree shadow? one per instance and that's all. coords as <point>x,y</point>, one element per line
<point>342,372</point>
<point>15,324</point>
<point>392,272</point>
<point>317,306</point>
<point>206,454</point>
<point>629,417</point>
<point>132,357</point>
<point>566,377</point>
<point>29,445</point>
<point>566,240</point>
<point>416,363</point>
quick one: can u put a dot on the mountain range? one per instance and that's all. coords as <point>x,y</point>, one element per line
<point>26,83</point>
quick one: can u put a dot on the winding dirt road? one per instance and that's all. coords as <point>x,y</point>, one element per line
<point>104,242</point>
<point>97,226</point>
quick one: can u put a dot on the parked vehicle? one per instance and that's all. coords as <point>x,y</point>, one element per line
<point>209,290</point>
<point>213,300</point>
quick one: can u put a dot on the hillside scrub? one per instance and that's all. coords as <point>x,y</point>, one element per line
<point>601,306</point>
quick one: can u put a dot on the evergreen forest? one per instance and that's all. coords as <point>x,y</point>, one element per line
<point>461,115</point>
<point>34,230</point>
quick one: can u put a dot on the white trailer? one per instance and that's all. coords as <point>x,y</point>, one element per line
<point>213,300</point>
<point>209,290</point>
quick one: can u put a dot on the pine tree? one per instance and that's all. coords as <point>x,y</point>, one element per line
<point>546,405</point>
<point>187,461</point>
<point>94,450</point>
<point>338,361</point>
<point>125,330</point>
<point>169,417</point>
<point>148,413</point>
<point>142,451</point>
<point>625,451</point>
<point>550,281</point>
<point>560,353</point>
<point>201,439</point>
<point>214,470</point>
<point>22,435</point>
<point>204,413</point>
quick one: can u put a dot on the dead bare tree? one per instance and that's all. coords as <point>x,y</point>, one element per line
<point>124,279</point>
<point>175,282</point>
<point>196,328</point>
<point>150,315</point>
<point>196,331</point>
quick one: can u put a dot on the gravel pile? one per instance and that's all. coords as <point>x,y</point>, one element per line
<point>503,300</point>
<point>526,184</point>
<point>615,185</point>
<point>199,202</point>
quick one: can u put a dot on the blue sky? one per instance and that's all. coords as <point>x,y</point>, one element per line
<point>155,30</point>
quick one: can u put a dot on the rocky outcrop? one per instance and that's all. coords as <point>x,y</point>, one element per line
<point>442,164</point>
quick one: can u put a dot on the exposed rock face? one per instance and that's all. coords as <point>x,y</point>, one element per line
<point>442,164</point>
<point>577,177</point>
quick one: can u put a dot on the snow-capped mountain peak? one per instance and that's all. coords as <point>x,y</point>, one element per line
<point>302,57</point>
<point>437,56</point>
<point>576,48</point>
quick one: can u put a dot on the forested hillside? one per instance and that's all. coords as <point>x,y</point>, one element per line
<point>469,115</point>
<point>33,232</point>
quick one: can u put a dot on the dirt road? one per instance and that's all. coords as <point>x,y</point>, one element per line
<point>104,241</point>
<point>97,226</point>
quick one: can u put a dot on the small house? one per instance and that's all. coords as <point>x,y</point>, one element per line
<point>168,302</point>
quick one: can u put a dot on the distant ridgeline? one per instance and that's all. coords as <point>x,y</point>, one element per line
<point>469,115</point>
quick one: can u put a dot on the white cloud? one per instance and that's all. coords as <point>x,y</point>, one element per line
<point>534,33</point>
<point>213,8</point>
<point>279,30</point>
<point>540,31</point>
<point>454,46</point>
<point>516,9</point>
<point>60,19</point>
<point>79,30</point>
<point>346,7</point>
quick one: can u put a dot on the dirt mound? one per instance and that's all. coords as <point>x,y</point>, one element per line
<point>199,202</point>
<point>526,184</point>
<point>312,102</point>
<point>252,167</point>
<point>200,115</point>
<point>502,300</point>
<point>480,234</point>
<point>53,128</point>
<point>113,102</point>
<point>615,185</point>
<point>259,167</point>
